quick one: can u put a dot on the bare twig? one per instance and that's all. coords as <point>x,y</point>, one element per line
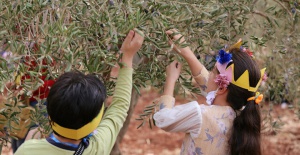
<point>260,14</point>
<point>283,6</point>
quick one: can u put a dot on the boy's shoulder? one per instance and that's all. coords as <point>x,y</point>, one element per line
<point>32,146</point>
<point>40,146</point>
<point>32,143</point>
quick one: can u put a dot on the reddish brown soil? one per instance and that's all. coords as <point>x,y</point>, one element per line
<point>146,141</point>
<point>286,141</point>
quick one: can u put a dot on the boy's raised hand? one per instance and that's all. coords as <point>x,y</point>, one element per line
<point>132,43</point>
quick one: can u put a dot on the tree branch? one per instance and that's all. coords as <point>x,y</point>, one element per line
<point>283,6</point>
<point>260,14</point>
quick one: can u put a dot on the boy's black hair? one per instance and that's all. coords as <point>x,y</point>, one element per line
<point>75,99</point>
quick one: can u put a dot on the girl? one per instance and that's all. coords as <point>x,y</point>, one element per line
<point>231,124</point>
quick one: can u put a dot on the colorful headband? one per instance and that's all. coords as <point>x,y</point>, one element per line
<point>80,133</point>
<point>224,58</point>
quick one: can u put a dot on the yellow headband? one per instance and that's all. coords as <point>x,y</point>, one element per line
<point>81,132</point>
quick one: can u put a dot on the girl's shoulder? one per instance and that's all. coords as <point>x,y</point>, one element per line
<point>216,109</point>
<point>214,106</point>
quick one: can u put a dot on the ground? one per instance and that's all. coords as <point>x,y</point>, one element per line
<point>146,141</point>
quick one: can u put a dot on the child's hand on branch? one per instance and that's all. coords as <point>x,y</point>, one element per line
<point>132,43</point>
<point>173,71</point>
<point>176,39</point>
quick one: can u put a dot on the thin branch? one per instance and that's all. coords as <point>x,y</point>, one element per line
<point>255,2</point>
<point>287,1</point>
<point>287,10</point>
<point>260,13</point>
<point>283,6</point>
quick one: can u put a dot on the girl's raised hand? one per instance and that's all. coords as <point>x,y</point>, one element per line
<point>173,71</point>
<point>177,37</point>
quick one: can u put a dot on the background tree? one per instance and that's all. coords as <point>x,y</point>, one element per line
<point>85,35</point>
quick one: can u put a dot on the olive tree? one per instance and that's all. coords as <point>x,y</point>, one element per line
<point>85,35</point>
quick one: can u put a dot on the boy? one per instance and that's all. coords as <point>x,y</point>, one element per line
<point>75,108</point>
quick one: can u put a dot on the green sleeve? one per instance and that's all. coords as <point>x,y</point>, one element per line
<point>116,113</point>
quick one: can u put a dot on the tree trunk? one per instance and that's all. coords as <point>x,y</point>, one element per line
<point>134,98</point>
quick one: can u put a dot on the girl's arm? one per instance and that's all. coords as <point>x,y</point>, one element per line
<point>173,72</point>
<point>183,118</point>
<point>199,72</point>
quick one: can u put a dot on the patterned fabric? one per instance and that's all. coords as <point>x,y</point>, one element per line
<point>207,128</point>
<point>166,101</point>
<point>215,132</point>
<point>202,79</point>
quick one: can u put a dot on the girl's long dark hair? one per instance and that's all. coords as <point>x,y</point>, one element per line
<point>245,138</point>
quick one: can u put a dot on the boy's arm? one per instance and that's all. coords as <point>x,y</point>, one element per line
<point>116,114</point>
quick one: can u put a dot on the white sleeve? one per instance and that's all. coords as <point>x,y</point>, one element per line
<point>182,118</point>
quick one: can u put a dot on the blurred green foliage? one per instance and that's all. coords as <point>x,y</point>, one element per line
<point>64,35</point>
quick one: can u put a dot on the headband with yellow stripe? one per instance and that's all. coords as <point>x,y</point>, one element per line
<point>82,132</point>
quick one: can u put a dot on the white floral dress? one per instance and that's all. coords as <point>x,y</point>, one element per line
<point>207,128</point>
